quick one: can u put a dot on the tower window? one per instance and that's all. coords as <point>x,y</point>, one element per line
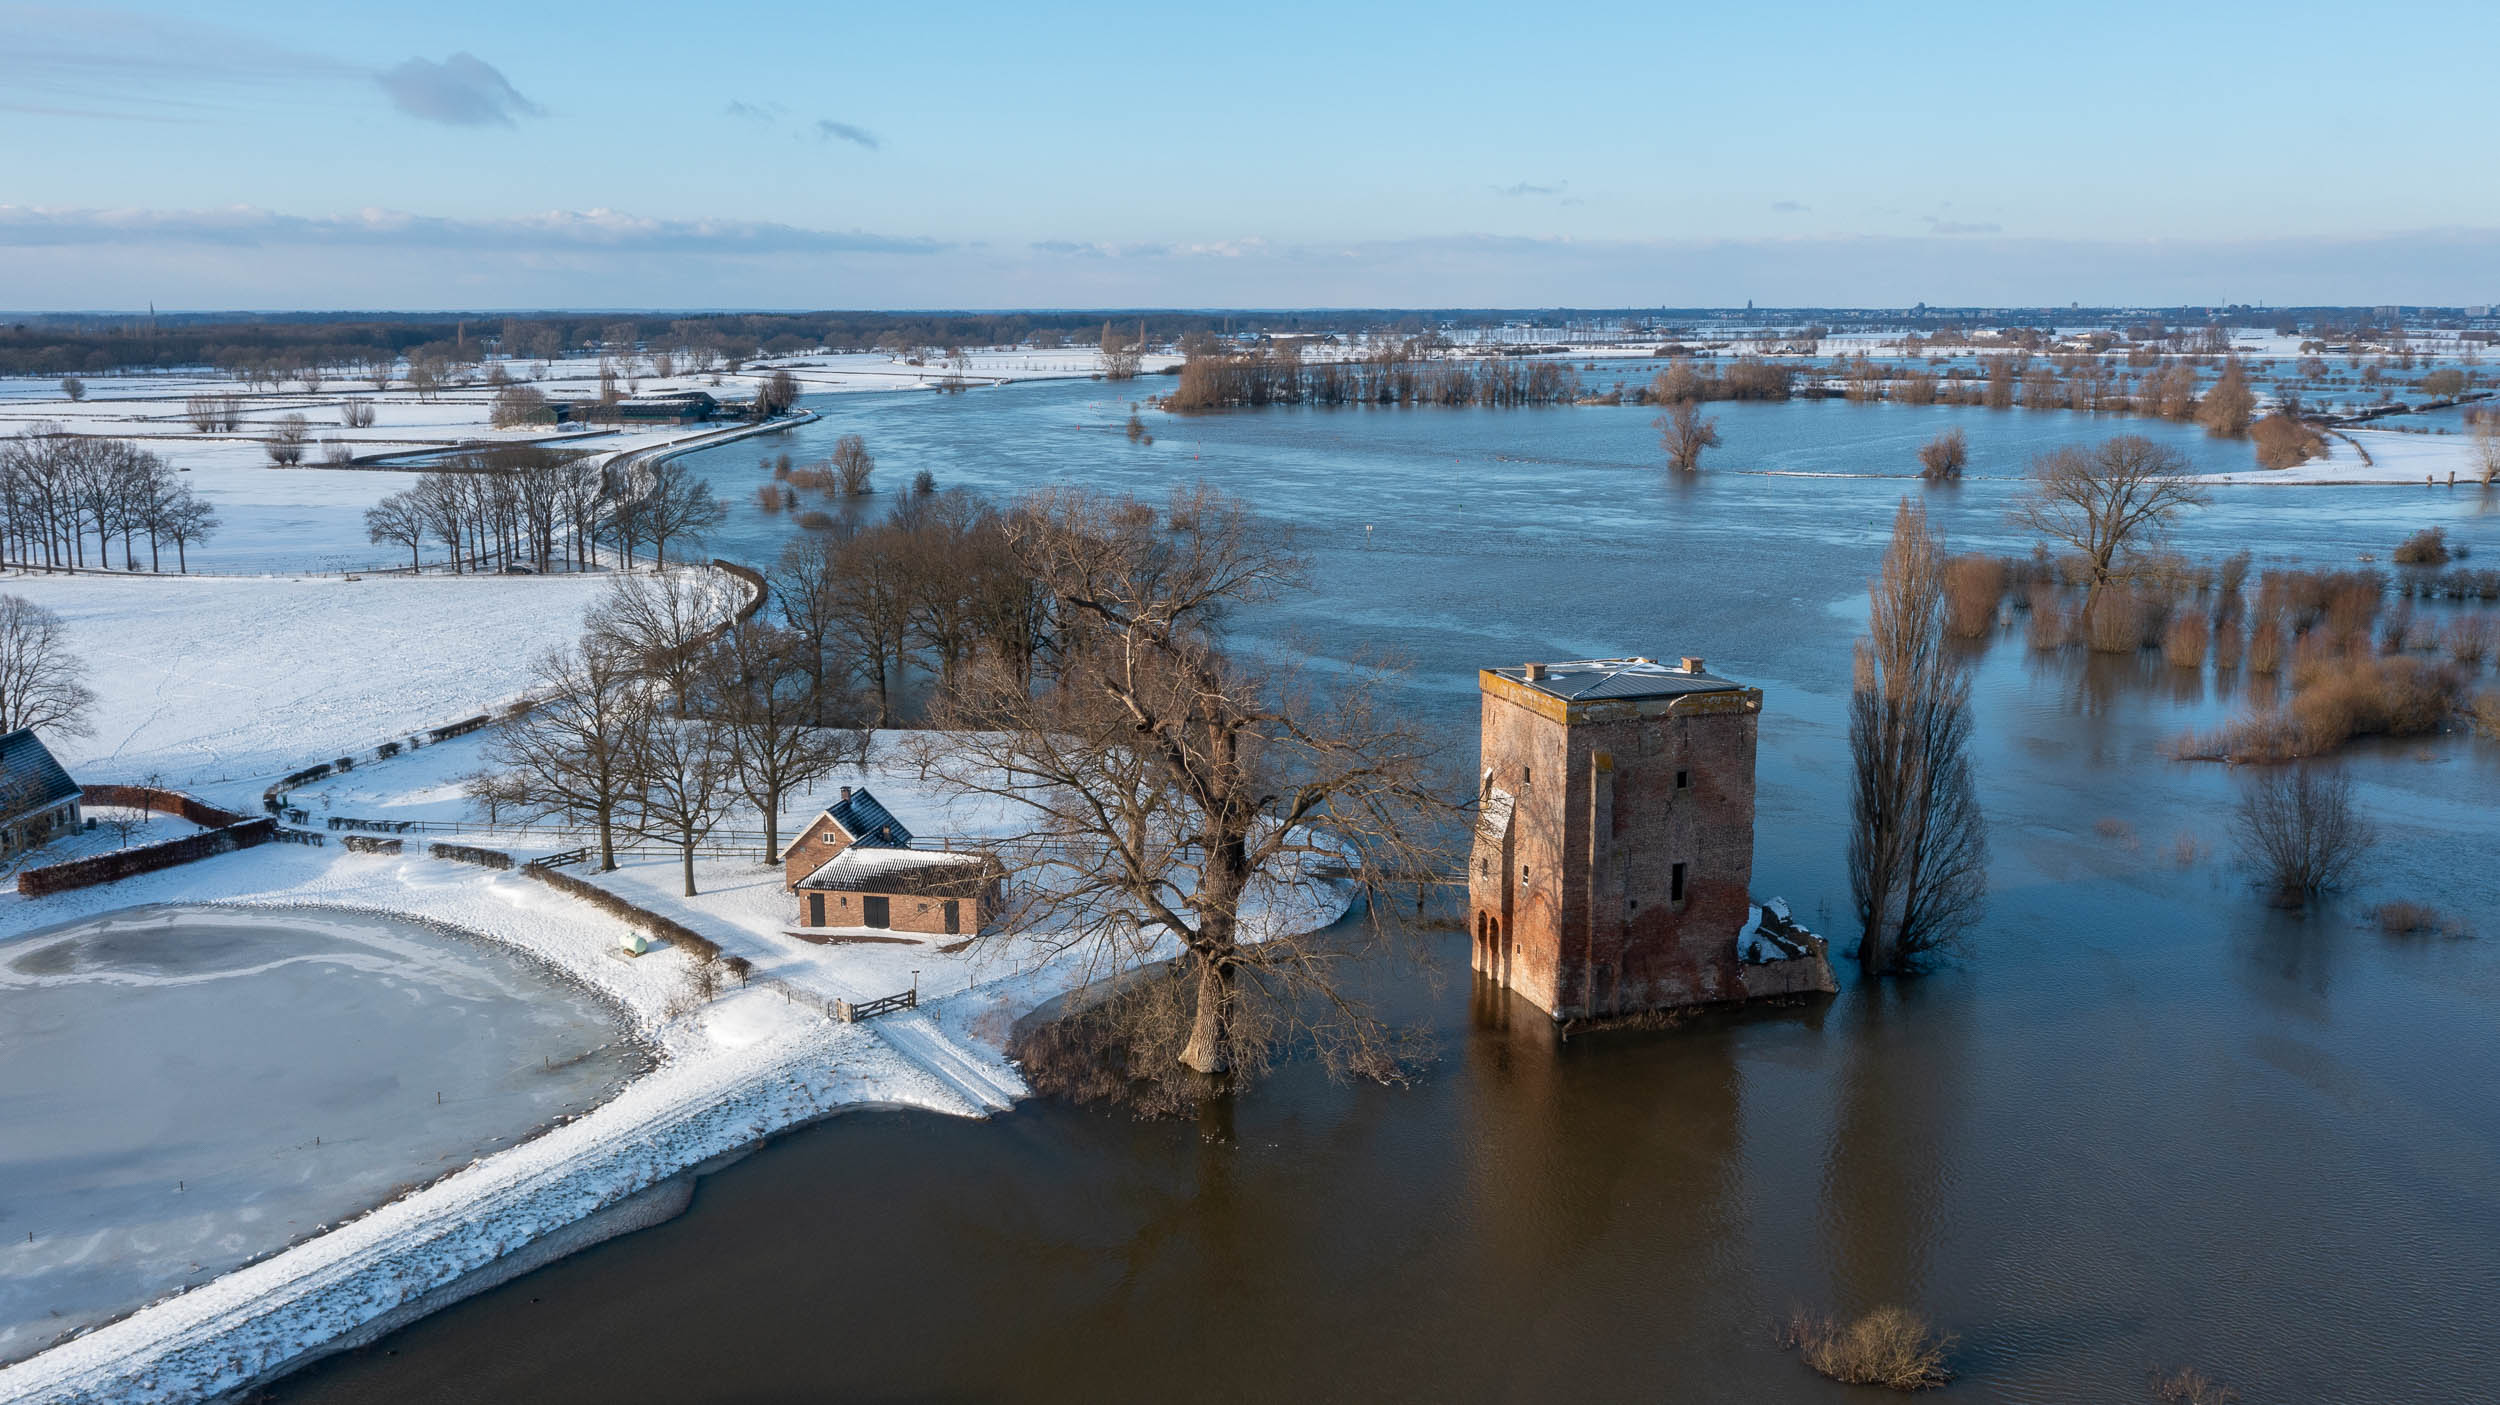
<point>1524,775</point>
<point>1684,780</point>
<point>1675,884</point>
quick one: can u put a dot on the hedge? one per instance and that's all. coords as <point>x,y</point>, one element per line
<point>129,863</point>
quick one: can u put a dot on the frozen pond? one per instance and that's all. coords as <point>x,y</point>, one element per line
<point>187,1088</point>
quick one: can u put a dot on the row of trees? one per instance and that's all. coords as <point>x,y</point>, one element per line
<point>498,508</point>
<point>60,491</point>
<point>1391,375</point>
<point>668,713</point>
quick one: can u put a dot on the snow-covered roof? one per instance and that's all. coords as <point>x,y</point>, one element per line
<point>913,872</point>
<point>1617,678</point>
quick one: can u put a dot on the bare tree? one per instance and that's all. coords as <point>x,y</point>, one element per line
<point>672,504</point>
<point>356,413</point>
<point>760,690</point>
<point>852,463</point>
<point>73,387</point>
<point>399,518</point>
<point>683,781</point>
<point>1166,790</point>
<point>1918,849</point>
<point>2487,446</point>
<point>575,754</point>
<point>2105,500</point>
<point>201,411</point>
<point>1683,433</point>
<point>2299,831</point>
<point>776,396</point>
<point>660,624</point>
<point>518,405</point>
<point>286,445</point>
<point>42,684</point>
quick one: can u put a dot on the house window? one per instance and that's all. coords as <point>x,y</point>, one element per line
<point>1523,775</point>
<point>1675,884</point>
<point>1684,780</point>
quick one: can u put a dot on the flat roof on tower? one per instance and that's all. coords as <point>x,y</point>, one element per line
<point>1588,679</point>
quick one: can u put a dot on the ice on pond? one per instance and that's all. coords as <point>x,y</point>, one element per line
<point>186,1089</point>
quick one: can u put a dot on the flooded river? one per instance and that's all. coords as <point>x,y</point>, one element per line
<point>2146,1123</point>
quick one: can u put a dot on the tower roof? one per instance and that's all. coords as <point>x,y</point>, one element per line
<point>1587,680</point>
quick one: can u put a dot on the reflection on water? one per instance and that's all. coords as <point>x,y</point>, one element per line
<point>2148,1122</point>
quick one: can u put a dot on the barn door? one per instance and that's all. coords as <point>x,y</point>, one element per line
<point>815,909</point>
<point>879,911</point>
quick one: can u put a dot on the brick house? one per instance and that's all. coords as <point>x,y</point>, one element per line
<point>1613,853</point>
<point>854,866</point>
<point>38,800</point>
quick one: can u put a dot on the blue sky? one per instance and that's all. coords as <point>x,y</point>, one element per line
<point>818,155</point>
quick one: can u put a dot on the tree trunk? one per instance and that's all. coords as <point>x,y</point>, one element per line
<point>607,842</point>
<point>686,851</point>
<point>772,827</point>
<point>1205,1050</point>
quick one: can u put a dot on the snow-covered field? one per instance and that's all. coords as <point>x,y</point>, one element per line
<point>220,686</point>
<point>2394,458</point>
<point>311,517</point>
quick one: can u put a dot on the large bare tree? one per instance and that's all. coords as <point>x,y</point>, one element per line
<point>42,684</point>
<point>576,754</point>
<point>1173,800</point>
<point>683,782</point>
<point>760,690</point>
<point>2108,500</point>
<point>1918,848</point>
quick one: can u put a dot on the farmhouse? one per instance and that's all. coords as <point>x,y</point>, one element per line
<point>854,867</point>
<point>37,798</point>
<point>1614,843</point>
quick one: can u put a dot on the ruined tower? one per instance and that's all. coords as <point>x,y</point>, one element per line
<point>1614,852</point>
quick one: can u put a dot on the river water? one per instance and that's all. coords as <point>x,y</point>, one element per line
<point>2145,1123</point>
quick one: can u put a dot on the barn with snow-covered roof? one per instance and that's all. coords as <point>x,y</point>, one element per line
<point>854,866</point>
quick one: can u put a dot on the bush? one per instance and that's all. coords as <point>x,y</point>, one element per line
<point>816,521</point>
<point>2187,1387</point>
<point>2487,715</point>
<point>2399,919</point>
<point>2427,547</point>
<point>2185,642</point>
<point>2299,832</point>
<point>464,853</point>
<point>2265,646</point>
<point>1972,587</point>
<point>1890,1347</point>
<point>2285,442</point>
<point>1942,458</point>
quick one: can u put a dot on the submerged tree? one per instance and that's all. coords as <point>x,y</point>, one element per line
<point>1683,433</point>
<point>2299,831</point>
<point>2107,500</point>
<point>1170,795</point>
<point>1918,848</point>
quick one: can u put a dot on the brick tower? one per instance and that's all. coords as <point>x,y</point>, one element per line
<point>1614,852</point>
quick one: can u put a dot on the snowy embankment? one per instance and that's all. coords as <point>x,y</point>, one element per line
<point>2395,458</point>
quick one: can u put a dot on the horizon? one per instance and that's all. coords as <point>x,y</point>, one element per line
<point>289,157</point>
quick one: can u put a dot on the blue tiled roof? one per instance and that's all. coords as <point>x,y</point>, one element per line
<point>869,824</point>
<point>29,778</point>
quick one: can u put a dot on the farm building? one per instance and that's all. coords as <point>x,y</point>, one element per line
<point>37,798</point>
<point>854,867</point>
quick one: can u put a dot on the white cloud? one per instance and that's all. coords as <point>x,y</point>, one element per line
<point>829,130</point>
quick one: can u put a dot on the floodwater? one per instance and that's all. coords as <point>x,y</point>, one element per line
<point>2146,1122</point>
<point>187,1089</point>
